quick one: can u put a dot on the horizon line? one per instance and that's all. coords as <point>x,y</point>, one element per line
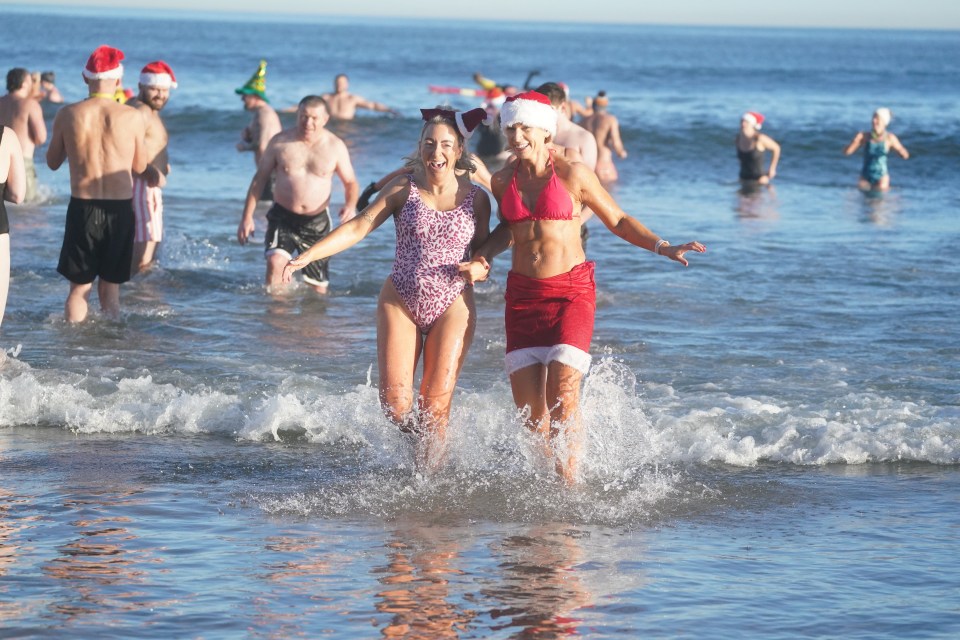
<point>282,15</point>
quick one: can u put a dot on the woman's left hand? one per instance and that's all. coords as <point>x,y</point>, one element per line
<point>677,252</point>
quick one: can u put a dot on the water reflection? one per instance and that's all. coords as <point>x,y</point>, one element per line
<point>757,201</point>
<point>421,564</point>
<point>542,589</point>
<point>12,534</point>
<point>879,207</point>
<point>103,565</point>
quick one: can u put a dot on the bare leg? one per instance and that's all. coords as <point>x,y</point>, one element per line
<point>76,306</point>
<point>109,293</point>
<point>398,350</point>
<point>563,394</point>
<point>529,394</point>
<point>275,264</point>
<point>444,352</point>
<point>143,255</point>
<point>552,396</point>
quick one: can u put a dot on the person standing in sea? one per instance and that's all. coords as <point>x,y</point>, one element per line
<point>264,122</point>
<point>156,80</point>
<point>425,306</point>
<point>751,146</point>
<point>550,290</point>
<point>304,160</point>
<point>343,104</point>
<point>606,129</point>
<point>20,111</point>
<point>877,144</point>
<point>13,187</point>
<point>103,141</point>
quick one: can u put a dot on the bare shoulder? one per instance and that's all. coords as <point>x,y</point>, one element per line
<point>569,166</point>
<point>397,191</point>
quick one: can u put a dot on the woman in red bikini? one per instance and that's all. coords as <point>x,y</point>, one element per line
<point>550,288</point>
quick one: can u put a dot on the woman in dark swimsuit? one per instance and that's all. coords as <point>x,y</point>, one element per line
<point>751,147</point>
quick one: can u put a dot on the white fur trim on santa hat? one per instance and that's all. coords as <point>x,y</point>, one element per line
<point>161,80</point>
<point>529,111</point>
<point>112,74</point>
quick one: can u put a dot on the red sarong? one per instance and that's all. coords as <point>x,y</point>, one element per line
<point>551,311</point>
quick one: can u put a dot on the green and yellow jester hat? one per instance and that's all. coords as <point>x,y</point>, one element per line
<point>257,84</point>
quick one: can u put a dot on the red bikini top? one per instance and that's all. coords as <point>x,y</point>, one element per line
<point>553,203</point>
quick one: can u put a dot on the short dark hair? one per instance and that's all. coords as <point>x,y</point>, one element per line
<point>312,101</point>
<point>15,78</point>
<point>48,76</point>
<point>553,91</point>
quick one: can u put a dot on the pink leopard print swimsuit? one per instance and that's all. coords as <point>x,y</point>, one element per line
<point>430,246</point>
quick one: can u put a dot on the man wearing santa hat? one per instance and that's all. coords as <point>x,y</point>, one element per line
<point>156,80</point>
<point>103,142</point>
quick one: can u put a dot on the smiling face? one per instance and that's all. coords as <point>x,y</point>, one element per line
<point>878,124</point>
<point>525,141</point>
<point>440,149</point>
<point>155,97</point>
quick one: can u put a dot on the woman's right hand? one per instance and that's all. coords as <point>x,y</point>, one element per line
<point>475,270</point>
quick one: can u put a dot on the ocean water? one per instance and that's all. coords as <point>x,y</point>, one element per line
<point>773,432</point>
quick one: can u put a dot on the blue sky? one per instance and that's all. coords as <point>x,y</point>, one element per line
<point>913,14</point>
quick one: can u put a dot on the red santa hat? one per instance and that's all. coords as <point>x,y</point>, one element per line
<point>530,108</point>
<point>466,121</point>
<point>104,64</point>
<point>754,118</point>
<point>158,74</point>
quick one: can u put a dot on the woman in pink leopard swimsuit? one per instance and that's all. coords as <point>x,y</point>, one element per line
<point>425,305</point>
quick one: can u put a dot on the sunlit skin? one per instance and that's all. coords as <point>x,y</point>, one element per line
<point>878,129</point>
<point>548,396</point>
<point>400,343</point>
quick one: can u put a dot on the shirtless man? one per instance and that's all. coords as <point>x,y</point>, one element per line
<point>343,104</point>
<point>156,80</point>
<point>48,85</point>
<point>304,159</point>
<point>578,143</point>
<point>606,129</point>
<point>22,113</point>
<point>569,134</point>
<point>264,124</point>
<point>103,143</point>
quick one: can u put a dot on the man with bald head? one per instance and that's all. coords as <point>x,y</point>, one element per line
<point>103,142</point>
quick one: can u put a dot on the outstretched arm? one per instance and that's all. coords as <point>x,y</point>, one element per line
<point>363,103</point>
<point>898,147</point>
<point>854,144</point>
<point>622,225</point>
<point>353,231</point>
